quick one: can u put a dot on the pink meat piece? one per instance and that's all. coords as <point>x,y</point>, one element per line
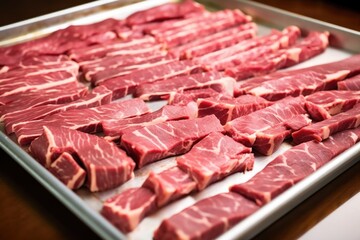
<point>18,72</point>
<point>62,40</point>
<point>94,52</point>
<point>324,129</point>
<point>214,158</point>
<point>255,129</point>
<point>164,11</point>
<point>228,109</point>
<point>325,76</point>
<point>100,74</point>
<point>184,98</point>
<point>294,165</point>
<point>324,104</point>
<point>207,218</point>
<point>62,94</point>
<point>114,129</point>
<point>215,41</point>
<point>36,83</point>
<point>165,88</point>
<point>161,140</point>
<point>215,22</point>
<point>106,165</point>
<point>126,210</point>
<point>352,84</point>
<point>124,85</point>
<point>314,44</point>
<point>99,96</point>
<point>68,171</point>
<point>86,120</point>
<point>251,49</point>
<point>169,185</point>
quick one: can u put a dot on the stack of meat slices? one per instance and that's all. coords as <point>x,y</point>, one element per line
<point>61,96</point>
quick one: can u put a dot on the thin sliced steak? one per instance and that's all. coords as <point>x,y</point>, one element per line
<point>61,94</point>
<point>165,88</point>
<point>255,129</point>
<point>106,165</point>
<point>114,129</point>
<point>314,44</point>
<point>352,84</point>
<point>164,11</point>
<point>184,98</point>
<point>99,96</point>
<point>228,109</point>
<point>131,63</point>
<point>86,120</point>
<point>324,104</point>
<point>126,210</point>
<point>158,141</point>
<point>207,218</point>
<point>62,40</point>
<point>124,85</point>
<point>324,129</point>
<point>294,165</point>
<point>216,41</point>
<point>68,171</point>
<point>324,76</point>
<point>250,49</point>
<point>169,185</point>
<point>214,158</point>
<point>36,83</point>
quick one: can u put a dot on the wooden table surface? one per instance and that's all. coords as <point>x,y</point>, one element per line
<point>28,211</point>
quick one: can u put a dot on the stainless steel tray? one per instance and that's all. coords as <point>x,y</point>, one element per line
<point>86,205</point>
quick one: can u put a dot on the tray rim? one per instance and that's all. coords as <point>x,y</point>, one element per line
<point>247,228</point>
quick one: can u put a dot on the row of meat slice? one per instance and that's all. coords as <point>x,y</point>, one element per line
<point>211,159</point>
<point>210,217</point>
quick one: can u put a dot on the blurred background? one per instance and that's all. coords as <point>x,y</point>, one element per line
<point>344,13</point>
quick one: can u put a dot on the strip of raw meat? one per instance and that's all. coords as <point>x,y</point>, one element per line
<point>86,120</point>
<point>124,85</point>
<point>127,209</point>
<point>216,41</point>
<point>165,88</point>
<point>106,165</point>
<point>169,185</point>
<point>251,128</point>
<point>322,105</point>
<point>164,11</point>
<point>322,130</point>
<point>288,37</point>
<point>29,62</point>
<point>250,49</point>
<point>114,129</point>
<point>61,94</point>
<point>100,50</point>
<point>228,109</point>
<point>20,72</point>
<point>184,98</point>
<point>214,23</point>
<point>161,140</point>
<point>214,158</point>
<point>101,73</point>
<point>99,96</point>
<point>61,41</point>
<point>34,83</point>
<point>68,171</point>
<point>330,73</point>
<point>314,44</point>
<point>294,165</point>
<point>352,84</point>
<point>207,218</point>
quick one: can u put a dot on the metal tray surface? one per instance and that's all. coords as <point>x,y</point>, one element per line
<point>86,205</point>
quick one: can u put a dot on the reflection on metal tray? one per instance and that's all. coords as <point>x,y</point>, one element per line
<point>86,205</point>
